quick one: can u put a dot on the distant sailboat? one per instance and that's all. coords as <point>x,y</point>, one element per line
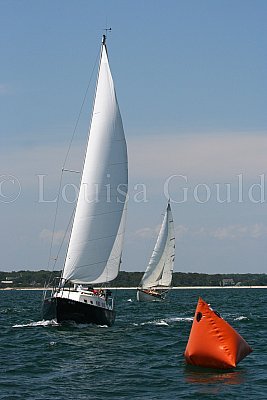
<point>95,246</point>
<point>157,278</point>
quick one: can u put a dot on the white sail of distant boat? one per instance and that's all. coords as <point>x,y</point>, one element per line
<point>157,278</point>
<point>96,241</point>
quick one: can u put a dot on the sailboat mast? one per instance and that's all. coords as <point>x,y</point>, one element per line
<point>97,233</point>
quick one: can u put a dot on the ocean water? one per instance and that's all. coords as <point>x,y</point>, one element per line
<point>140,357</point>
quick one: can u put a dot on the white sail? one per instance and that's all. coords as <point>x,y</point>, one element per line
<point>96,240</point>
<point>160,267</point>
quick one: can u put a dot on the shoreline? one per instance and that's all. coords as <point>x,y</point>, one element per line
<point>134,288</point>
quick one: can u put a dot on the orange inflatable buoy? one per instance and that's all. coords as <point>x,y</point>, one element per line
<point>213,342</point>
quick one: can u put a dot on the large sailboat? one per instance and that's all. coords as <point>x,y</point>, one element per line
<point>96,240</point>
<point>156,281</point>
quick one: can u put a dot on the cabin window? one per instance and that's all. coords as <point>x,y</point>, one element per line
<point>85,300</point>
<point>91,302</point>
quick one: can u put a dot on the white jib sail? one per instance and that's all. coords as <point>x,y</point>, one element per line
<point>96,240</point>
<point>160,267</point>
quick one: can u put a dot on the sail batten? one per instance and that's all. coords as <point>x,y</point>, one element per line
<point>96,240</point>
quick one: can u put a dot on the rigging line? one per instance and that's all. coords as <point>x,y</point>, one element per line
<point>65,160</point>
<point>55,218</point>
<point>61,244</point>
<point>75,131</point>
<point>65,234</point>
<point>80,112</point>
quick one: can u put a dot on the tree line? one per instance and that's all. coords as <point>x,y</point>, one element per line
<point>38,279</point>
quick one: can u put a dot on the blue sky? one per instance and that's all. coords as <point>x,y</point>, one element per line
<point>191,82</point>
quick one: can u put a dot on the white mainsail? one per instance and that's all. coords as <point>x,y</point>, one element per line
<point>96,240</point>
<point>160,267</point>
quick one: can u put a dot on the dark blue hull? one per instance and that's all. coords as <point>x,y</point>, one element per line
<point>62,310</point>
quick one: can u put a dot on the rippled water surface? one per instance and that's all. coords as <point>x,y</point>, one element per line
<point>140,357</point>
